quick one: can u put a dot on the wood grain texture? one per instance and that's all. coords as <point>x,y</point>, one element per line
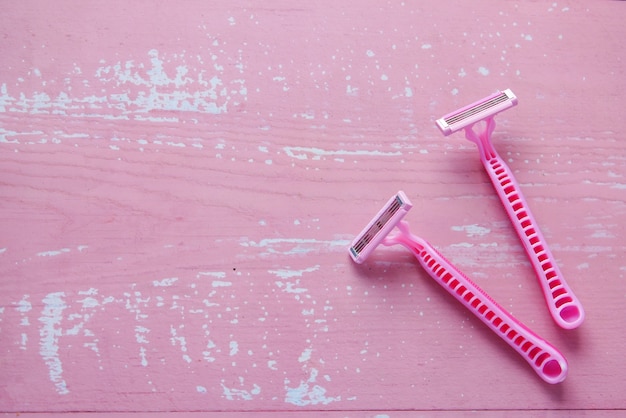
<point>179,185</point>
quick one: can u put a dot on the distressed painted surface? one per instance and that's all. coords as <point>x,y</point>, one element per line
<point>178,187</point>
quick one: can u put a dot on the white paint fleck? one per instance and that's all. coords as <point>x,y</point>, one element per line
<point>180,340</point>
<point>295,246</point>
<point>89,303</point>
<point>221,283</point>
<point>309,115</point>
<point>241,394</point>
<point>370,53</point>
<point>89,292</point>
<point>303,153</point>
<point>462,73</point>
<point>426,46</point>
<point>234,348</point>
<point>176,144</point>
<point>167,282</point>
<point>53,252</point>
<point>49,333</point>
<point>472,230</point>
<point>207,354</point>
<point>455,91</point>
<point>307,392</point>
<point>306,355</point>
<point>602,234</point>
<point>462,245</point>
<point>24,306</point>
<point>216,274</point>
<point>351,91</point>
<point>201,389</point>
<point>140,334</point>
<point>286,273</point>
<point>408,92</point>
<point>483,71</point>
<point>142,355</point>
<point>291,287</point>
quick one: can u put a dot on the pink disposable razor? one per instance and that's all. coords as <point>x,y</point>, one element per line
<point>562,303</point>
<point>546,360</point>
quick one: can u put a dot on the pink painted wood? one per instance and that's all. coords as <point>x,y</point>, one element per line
<point>179,185</point>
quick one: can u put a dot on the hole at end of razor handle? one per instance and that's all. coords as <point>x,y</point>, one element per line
<point>570,314</point>
<point>552,369</point>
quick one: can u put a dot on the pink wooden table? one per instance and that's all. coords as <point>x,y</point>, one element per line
<point>179,184</point>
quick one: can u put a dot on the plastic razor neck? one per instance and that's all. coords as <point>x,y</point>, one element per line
<point>404,237</point>
<point>482,138</point>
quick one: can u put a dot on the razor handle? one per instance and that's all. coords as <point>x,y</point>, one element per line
<point>544,358</point>
<point>564,306</point>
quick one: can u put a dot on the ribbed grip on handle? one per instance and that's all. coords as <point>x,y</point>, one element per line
<point>546,360</point>
<point>564,307</point>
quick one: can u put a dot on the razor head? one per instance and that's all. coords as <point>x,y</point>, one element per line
<point>379,227</point>
<point>477,111</point>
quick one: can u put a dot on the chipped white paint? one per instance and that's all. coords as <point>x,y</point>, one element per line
<point>234,348</point>
<point>308,392</point>
<point>295,246</point>
<point>149,88</point>
<point>167,282</point>
<point>290,287</point>
<point>306,355</point>
<point>50,333</point>
<point>221,283</point>
<point>303,153</point>
<point>23,307</point>
<point>53,253</point>
<point>180,341</point>
<point>473,230</point>
<point>240,394</point>
<point>89,302</point>
<point>287,273</point>
<point>216,274</point>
